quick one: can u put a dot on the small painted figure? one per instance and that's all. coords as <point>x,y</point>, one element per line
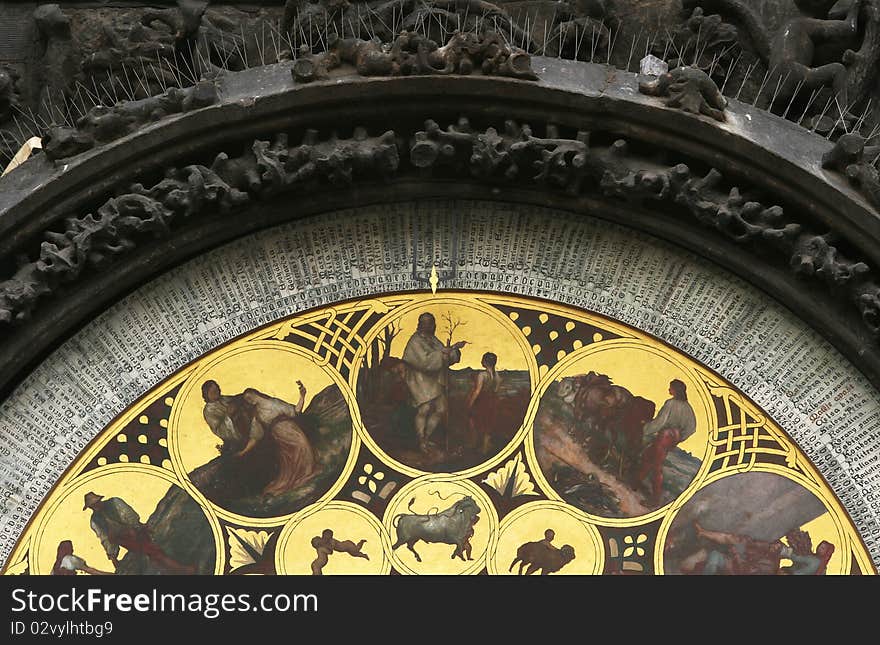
<point>542,556</point>
<point>67,563</point>
<point>733,554</point>
<point>804,561</point>
<point>454,525</point>
<point>674,423</point>
<point>325,545</point>
<point>483,403</point>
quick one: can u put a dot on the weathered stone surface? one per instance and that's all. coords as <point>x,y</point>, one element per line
<point>102,124</point>
<point>689,89</point>
<point>412,54</point>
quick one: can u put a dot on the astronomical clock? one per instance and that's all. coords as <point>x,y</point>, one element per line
<point>440,288</point>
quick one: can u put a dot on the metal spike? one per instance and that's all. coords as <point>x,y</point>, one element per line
<point>839,119</point>
<point>861,120</point>
<point>24,137</point>
<point>111,78</point>
<point>631,49</point>
<point>684,50</point>
<point>730,72</point>
<point>670,40</point>
<point>666,50</point>
<point>127,87</point>
<point>822,116</point>
<point>159,79</point>
<point>813,96</point>
<point>194,77</point>
<point>745,79</point>
<point>52,108</point>
<point>244,46</point>
<point>779,83</point>
<point>767,75</point>
<point>697,47</point>
<point>594,42</point>
<point>80,113</point>
<point>612,40</point>
<point>793,97</point>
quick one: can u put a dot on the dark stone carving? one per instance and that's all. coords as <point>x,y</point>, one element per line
<point>9,94</point>
<point>792,53</point>
<point>102,124</point>
<point>413,54</point>
<point>116,226</point>
<point>514,154</point>
<point>311,22</point>
<point>575,22</point>
<point>58,53</point>
<point>814,255</point>
<point>702,41</point>
<point>852,157</point>
<point>689,89</point>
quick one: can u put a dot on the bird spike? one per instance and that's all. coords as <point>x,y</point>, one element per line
<point>767,75</point>
<point>779,82</point>
<point>797,89</point>
<point>729,73</point>
<point>824,110</point>
<point>861,120</point>
<point>813,96</point>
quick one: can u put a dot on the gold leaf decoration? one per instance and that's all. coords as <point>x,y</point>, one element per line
<point>245,547</point>
<point>512,479</point>
<point>19,568</point>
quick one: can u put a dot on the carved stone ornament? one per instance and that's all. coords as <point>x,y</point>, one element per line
<point>412,54</point>
<point>852,157</point>
<point>689,89</point>
<point>515,154</point>
<point>103,124</point>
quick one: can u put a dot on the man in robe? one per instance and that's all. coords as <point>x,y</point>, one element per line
<point>427,360</point>
<point>118,525</point>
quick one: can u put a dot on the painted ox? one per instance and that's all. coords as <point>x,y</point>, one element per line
<point>455,525</point>
<point>609,413</point>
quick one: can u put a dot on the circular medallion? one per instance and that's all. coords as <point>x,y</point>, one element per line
<point>440,526</point>
<point>754,523</point>
<point>127,519</point>
<point>262,431</point>
<point>622,428</point>
<point>546,538</point>
<point>335,538</point>
<point>444,385</point>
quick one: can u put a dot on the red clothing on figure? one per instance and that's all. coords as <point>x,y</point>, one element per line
<point>484,411</point>
<point>653,458</point>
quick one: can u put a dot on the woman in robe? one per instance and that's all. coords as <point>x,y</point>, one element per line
<point>296,459</point>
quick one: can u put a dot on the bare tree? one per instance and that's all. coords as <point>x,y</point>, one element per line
<point>451,325</point>
<point>387,337</point>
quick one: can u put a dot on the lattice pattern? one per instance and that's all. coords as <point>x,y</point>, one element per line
<point>744,437</point>
<point>338,336</point>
